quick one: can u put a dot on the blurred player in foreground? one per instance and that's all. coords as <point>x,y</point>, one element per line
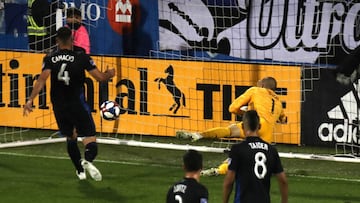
<point>189,190</point>
<point>261,98</point>
<point>252,164</point>
<point>67,69</point>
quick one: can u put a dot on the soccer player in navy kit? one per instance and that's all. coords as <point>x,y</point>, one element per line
<point>189,190</point>
<point>252,163</point>
<point>67,69</point>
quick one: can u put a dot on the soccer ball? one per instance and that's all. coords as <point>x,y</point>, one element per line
<point>244,108</point>
<point>109,110</point>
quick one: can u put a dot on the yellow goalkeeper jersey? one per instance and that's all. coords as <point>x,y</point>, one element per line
<point>265,101</point>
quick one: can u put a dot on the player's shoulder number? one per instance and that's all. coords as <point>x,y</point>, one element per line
<point>179,199</point>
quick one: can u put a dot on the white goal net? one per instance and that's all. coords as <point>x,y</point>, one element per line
<point>206,54</point>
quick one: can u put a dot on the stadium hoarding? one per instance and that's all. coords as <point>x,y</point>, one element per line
<point>157,97</point>
<point>330,112</point>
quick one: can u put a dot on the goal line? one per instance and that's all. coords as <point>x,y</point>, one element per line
<point>171,146</point>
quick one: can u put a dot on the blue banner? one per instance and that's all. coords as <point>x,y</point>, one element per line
<point>13,24</point>
<point>117,28</point>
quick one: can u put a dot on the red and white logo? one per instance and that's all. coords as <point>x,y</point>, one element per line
<point>123,15</point>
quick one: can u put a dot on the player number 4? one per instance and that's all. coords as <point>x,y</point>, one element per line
<point>63,75</point>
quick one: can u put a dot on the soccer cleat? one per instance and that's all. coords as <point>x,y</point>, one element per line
<point>210,172</point>
<point>195,137</point>
<point>81,175</point>
<point>92,170</point>
<point>188,135</point>
<point>183,134</point>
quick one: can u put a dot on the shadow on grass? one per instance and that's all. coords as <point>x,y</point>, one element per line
<point>10,168</point>
<point>341,198</point>
<point>104,194</point>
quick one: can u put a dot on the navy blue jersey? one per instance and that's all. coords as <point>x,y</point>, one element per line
<point>67,90</point>
<point>187,190</point>
<point>254,161</point>
<point>67,74</point>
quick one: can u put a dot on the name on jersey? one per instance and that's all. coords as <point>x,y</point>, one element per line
<point>64,57</point>
<point>179,188</point>
<point>258,145</point>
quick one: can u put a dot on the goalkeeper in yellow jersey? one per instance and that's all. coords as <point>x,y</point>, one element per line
<point>261,98</point>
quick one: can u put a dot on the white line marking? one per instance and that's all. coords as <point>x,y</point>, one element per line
<point>159,165</point>
<point>326,178</point>
<point>97,160</point>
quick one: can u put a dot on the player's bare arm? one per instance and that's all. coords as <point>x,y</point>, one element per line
<point>102,76</point>
<point>228,185</point>
<point>283,186</point>
<point>40,83</point>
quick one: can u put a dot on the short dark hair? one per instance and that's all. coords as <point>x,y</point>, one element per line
<point>72,11</point>
<point>192,160</point>
<point>251,120</point>
<point>63,34</point>
<point>269,82</point>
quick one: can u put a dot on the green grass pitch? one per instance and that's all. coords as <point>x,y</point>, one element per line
<point>44,173</point>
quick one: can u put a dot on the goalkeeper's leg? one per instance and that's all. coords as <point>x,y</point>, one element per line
<point>233,130</point>
<point>266,131</point>
<point>212,133</point>
<point>223,167</point>
<point>218,132</point>
<point>220,170</point>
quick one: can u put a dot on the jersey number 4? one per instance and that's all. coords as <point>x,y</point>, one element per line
<point>63,75</point>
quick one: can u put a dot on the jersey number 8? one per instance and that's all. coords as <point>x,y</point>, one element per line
<point>260,169</point>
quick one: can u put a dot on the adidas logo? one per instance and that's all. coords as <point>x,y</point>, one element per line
<point>348,109</point>
<point>343,129</point>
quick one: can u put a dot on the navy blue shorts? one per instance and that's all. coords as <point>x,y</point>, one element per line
<point>74,115</point>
